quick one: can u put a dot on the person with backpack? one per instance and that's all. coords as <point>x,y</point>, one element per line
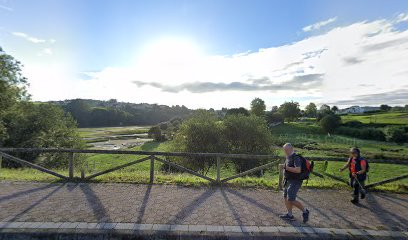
<point>358,168</point>
<point>295,166</point>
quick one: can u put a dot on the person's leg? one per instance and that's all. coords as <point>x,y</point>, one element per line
<point>288,205</point>
<point>292,194</point>
<point>298,205</point>
<point>356,192</point>
<point>362,185</point>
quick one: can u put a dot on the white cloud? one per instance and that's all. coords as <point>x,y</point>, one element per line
<point>31,38</point>
<point>365,60</point>
<point>318,25</point>
<point>402,17</point>
<point>6,8</point>
<point>46,51</point>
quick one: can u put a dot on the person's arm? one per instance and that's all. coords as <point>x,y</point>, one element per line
<point>347,165</point>
<point>297,168</point>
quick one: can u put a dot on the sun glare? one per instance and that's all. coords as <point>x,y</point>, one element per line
<point>171,50</point>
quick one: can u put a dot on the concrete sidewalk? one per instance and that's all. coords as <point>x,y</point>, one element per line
<point>80,208</point>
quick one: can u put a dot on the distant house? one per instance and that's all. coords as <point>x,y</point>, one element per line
<point>358,109</point>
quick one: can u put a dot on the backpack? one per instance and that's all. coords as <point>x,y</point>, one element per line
<point>307,168</point>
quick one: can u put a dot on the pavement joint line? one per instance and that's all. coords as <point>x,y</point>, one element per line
<point>201,228</point>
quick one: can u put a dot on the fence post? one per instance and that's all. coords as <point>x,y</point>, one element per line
<point>71,166</point>
<point>1,161</point>
<point>151,169</point>
<point>281,168</point>
<point>218,180</point>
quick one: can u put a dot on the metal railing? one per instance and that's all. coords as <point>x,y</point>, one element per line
<point>158,156</point>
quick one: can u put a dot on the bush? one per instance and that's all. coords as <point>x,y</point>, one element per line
<point>155,132</point>
<point>396,134</point>
<point>237,134</point>
<point>247,135</point>
<point>330,122</point>
<point>199,134</point>
<point>274,118</point>
<point>363,133</point>
<point>353,124</point>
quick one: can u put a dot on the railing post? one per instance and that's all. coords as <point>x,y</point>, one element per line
<point>218,180</point>
<point>151,169</point>
<point>281,169</point>
<point>71,166</point>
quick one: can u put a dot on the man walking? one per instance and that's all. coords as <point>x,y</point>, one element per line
<point>292,183</point>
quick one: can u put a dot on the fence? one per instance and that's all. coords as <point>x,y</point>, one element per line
<point>158,156</point>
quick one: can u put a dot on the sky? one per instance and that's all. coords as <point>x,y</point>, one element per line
<point>211,53</point>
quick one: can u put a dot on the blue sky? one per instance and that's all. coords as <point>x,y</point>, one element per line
<point>87,43</point>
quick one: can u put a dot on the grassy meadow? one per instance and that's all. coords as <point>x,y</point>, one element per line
<point>306,136</point>
<point>391,118</point>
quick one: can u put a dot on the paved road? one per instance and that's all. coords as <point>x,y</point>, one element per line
<point>169,204</point>
<point>132,206</point>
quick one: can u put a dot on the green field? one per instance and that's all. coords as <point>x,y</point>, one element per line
<point>398,118</point>
<point>311,141</point>
<point>307,138</point>
<point>140,173</point>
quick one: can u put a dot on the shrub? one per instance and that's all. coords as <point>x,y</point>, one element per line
<point>353,124</point>
<point>274,117</point>
<point>155,132</point>
<point>199,134</point>
<point>396,134</point>
<point>330,122</point>
<point>247,135</point>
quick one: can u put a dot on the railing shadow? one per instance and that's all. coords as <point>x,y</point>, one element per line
<point>98,209</point>
<point>19,215</point>
<point>18,194</point>
<point>389,219</point>
<point>231,207</point>
<point>187,211</point>
<point>144,204</point>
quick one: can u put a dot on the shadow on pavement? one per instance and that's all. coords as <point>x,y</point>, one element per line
<point>144,204</point>
<point>187,211</point>
<point>36,203</point>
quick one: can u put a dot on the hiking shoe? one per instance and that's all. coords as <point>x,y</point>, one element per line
<point>306,216</point>
<point>287,217</point>
<point>362,196</point>
<point>354,200</point>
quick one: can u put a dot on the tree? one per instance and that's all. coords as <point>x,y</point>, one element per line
<point>258,107</point>
<point>247,135</point>
<point>12,83</point>
<point>155,132</point>
<point>236,111</point>
<point>334,109</point>
<point>396,134</point>
<point>330,122</point>
<point>385,108</point>
<point>311,110</point>
<point>406,108</point>
<point>274,118</point>
<point>274,109</point>
<point>290,110</point>
<point>201,133</point>
<point>25,124</point>
<point>325,109</point>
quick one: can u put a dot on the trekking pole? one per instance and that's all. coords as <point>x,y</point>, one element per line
<point>363,191</point>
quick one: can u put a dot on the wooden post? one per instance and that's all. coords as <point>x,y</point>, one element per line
<point>151,169</point>
<point>71,166</point>
<point>1,160</point>
<point>82,174</point>
<point>281,170</point>
<point>218,180</point>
